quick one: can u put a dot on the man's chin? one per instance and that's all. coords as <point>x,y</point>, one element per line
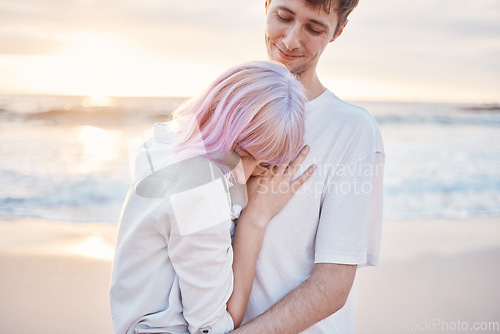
<point>287,63</point>
<point>297,69</point>
<point>293,68</point>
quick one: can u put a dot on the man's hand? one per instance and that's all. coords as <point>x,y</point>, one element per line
<point>322,294</point>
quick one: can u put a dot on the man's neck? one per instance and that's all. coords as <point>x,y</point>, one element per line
<point>313,86</point>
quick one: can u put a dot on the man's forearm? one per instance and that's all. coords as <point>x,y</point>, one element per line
<point>321,295</point>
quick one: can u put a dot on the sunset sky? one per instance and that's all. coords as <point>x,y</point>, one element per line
<point>399,50</point>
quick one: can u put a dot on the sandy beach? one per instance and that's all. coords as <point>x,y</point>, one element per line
<point>436,276</point>
<point>55,277</point>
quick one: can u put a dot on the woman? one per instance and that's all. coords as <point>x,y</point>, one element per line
<point>174,270</point>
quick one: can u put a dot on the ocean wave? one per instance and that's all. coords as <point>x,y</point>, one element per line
<point>92,199</point>
<point>441,161</point>
<point>75,110</point>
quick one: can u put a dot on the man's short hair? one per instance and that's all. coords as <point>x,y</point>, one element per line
<point>342,7</point>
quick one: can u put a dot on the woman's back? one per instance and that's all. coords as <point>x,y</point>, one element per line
<point>161,237</point>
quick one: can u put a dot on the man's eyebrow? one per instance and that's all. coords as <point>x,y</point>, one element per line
<point>321,24</point>
<point>286,9</point>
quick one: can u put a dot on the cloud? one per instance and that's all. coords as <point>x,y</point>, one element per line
<point>27,43</point>
<point>425,46</point>
<point>213,30</point>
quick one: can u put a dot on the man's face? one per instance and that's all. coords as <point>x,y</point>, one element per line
<point>297,34</point>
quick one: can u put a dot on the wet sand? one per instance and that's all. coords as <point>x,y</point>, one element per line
<point>434,275</point>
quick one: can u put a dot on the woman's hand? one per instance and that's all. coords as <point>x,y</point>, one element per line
<point>268,193</point>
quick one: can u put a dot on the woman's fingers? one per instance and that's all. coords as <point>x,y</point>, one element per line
<point>268,193</point>
<point>294,166</point>
<point>290,168</point>
<point>277,170</point>
<point>298,182</point>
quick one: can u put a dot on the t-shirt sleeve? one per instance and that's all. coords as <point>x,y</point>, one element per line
<point>350,223</point>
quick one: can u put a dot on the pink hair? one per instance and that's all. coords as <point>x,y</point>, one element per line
<point>257,104</point>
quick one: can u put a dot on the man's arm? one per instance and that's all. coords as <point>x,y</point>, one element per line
<point>322,294</point>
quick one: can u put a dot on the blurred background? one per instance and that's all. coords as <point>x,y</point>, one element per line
<point>79,79</point>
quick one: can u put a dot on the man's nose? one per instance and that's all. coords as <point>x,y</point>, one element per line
<point>292,37</point>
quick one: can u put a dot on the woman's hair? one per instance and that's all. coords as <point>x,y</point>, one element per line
<point>258,105</point>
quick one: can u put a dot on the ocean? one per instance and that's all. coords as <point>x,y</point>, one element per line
<point>66,158</point>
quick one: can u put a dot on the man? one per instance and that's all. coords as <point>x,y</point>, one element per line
<point>332,226</point>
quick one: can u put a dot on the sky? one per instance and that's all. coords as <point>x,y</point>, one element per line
<point>392,50</point>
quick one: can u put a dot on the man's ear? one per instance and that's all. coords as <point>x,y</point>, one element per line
<point>339,32</point>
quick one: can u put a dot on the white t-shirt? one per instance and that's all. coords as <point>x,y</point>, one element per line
<point>336,217</point>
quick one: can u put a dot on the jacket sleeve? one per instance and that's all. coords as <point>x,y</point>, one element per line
<point>199,247</point>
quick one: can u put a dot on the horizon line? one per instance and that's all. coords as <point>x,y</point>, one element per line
<point>347,99</point>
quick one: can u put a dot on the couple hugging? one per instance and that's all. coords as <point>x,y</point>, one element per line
<point>236,219</point>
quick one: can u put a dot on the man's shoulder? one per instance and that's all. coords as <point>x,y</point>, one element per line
<point>334,112</point>
<point>334,107</point>
<point>345,123</point>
